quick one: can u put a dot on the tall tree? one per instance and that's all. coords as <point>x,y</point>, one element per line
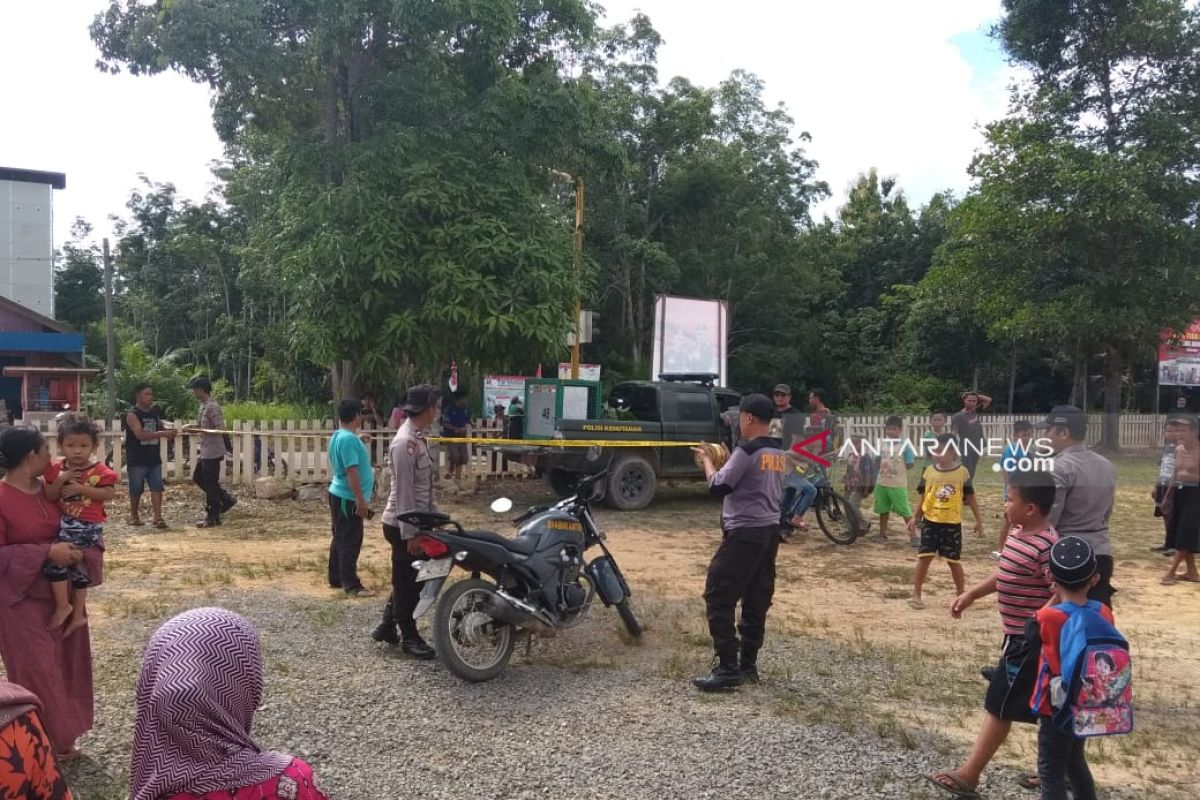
<point>1082,225</point>
<point>392,141</point>
<point>79,280</point>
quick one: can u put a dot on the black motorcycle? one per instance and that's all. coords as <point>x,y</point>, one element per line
<point>539,581</point>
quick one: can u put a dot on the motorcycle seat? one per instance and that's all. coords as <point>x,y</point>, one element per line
<point>524,545</point>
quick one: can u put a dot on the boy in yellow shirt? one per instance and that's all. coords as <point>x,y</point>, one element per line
<point>945,486</point>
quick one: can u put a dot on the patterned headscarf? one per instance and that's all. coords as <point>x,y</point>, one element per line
<point>14,701</point>
<point>201,681</point>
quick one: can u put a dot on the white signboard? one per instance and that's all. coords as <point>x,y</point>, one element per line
<point>587,372</point>
<point>501,390</point>
<point>690,336</point>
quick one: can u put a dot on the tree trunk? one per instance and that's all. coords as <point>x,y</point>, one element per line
<point>343,382</point>
<point>1111,436</point>
<point>1012,378</point>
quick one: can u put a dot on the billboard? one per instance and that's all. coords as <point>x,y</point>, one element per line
<point>501,390</point>
<point>587,372</point>
<point>690,336</point>
<point>1179,357</point>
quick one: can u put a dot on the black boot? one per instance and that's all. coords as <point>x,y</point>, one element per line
<point>412,644</point>
<point>724,677</point>
<point>748,665</point>
<point>228,501</point>
<point>385,631</point>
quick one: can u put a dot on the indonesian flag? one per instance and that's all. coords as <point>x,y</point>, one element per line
<point>454,376</point>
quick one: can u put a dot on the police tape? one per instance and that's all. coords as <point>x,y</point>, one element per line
<point>476,440</point>
<point>561,442</point>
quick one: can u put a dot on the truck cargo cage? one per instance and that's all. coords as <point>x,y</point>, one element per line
<point>708,379</point>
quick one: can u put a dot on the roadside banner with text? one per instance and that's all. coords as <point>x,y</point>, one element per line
<point>1179,357</point>
<point>587,372</point>
<point>500,390</point>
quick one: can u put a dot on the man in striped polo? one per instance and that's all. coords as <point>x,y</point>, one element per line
<point>1022,585</point>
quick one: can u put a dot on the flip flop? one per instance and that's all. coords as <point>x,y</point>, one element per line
<point>1186,579</point>
<point>161,524</point>
<point>137,523</point>
<point>956,786</point>
<point>917,604</point>
<point>1170,580</point>
<point>1030,781</point>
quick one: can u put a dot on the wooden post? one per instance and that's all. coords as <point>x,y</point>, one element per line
<point>111,346</point>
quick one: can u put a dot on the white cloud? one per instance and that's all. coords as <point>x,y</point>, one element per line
<point>876,82</point>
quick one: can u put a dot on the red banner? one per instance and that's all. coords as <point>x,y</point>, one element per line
<point>1179,357</point>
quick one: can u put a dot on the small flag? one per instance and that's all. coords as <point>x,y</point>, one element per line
<point>539,372</point>
<point>454,376</point>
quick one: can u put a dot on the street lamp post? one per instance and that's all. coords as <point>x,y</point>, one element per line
<point>576,267</point>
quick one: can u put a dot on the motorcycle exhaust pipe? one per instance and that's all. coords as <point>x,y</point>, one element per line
<point>506,608</point>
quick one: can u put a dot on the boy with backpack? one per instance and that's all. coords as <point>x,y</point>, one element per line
<point>1083,686</point>
<point>1022,586</point>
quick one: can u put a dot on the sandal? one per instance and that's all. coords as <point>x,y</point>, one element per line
<point>1030,781</point>
<point>950,782</point>
<point>136,522</point>
<point>917,604</point>
<point>1186,579</point>
<point>1169,580</point>
<point>160,523</point>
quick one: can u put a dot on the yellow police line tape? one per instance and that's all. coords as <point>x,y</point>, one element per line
<point>478,440</point>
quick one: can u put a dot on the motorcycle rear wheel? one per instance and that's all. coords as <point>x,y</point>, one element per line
<point>469,642</point>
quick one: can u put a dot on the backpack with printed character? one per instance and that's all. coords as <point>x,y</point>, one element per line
<point>1094,694</point>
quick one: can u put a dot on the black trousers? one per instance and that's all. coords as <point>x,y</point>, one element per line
<point>207,476</point>
<point>743,570</point>
<point>1062,761</point>
<point>405,591</point>
<point>345,544</point>
<point>1103,591</point>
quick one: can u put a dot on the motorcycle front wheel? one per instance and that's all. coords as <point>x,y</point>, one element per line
<point>632,623</point>
<point>470,643</point>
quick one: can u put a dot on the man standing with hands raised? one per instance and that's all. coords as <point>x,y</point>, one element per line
<point>413,474</point>
<point>743,569</point>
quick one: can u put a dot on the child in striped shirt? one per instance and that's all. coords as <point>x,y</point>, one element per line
<point>1022,585</point>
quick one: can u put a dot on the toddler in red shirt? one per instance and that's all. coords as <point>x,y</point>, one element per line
<point>81,487</point>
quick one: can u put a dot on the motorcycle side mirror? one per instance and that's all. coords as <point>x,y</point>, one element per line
<point>502,505</point>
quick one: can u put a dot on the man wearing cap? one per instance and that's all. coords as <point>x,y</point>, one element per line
<point>211,457</point>
<point>798,491</point>
<point>413,476</point>
<point>743,569</point>
<point>1086,484</point>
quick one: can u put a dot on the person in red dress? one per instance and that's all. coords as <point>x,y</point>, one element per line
<point>201,682</point>
<point>57,669</point>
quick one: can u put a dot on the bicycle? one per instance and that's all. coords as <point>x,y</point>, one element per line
<point>839,520</point>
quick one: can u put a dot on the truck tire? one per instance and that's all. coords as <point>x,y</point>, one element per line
<point>631,484</point>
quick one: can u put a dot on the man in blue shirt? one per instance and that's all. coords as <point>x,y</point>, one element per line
<point>353,481</point>
<point>455,419</point>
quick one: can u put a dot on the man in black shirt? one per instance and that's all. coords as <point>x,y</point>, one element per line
<point>967,426</point>
<point>143,431</point>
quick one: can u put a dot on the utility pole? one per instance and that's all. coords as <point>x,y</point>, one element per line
<point>110,377</point>
<point>577,266</point>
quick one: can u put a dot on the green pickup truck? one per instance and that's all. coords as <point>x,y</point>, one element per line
<point>678,408</point>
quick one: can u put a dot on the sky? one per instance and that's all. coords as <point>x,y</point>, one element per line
<point>900,86</point>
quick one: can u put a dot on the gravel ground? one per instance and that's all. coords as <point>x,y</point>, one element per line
<point>583,714</point>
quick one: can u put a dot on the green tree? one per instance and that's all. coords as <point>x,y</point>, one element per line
<point>79,280</point>
<point>1082,225</point>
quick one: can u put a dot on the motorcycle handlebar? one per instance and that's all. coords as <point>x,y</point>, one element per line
<point>585,485</point>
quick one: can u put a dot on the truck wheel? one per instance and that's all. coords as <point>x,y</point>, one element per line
<point>560,482</point>
<point>631,484</point>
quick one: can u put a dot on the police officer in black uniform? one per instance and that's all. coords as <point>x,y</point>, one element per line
<point>743,569</point>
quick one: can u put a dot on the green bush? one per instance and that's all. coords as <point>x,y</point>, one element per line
<point>253,411</point>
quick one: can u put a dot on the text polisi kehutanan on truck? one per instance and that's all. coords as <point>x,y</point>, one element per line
<point>677,408</point>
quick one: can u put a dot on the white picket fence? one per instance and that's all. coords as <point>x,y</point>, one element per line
<point>292,450</point>
<point>295,450</point>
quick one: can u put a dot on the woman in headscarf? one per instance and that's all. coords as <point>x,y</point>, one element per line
<point>28,770</point>
<point>201,681</point>
<point>57,670</point>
